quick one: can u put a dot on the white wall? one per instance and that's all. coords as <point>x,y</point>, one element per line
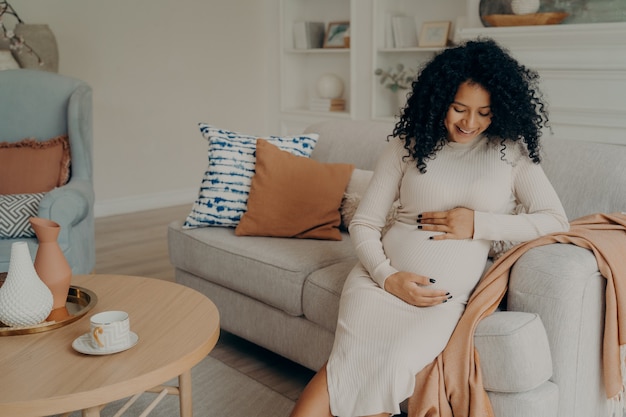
<point>583,75</point>
<point>157,68</point>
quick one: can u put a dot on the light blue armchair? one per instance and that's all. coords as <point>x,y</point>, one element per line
<point>42,105</point>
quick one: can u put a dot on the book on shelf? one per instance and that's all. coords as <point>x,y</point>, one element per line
<point>389,31</point>
<point>308,35</point>
<point>404,31</point>
<point>327,104</point>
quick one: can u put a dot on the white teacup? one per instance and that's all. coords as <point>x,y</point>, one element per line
<point>110,330</point>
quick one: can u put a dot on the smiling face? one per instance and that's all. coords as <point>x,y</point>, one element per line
<point>469,115</point>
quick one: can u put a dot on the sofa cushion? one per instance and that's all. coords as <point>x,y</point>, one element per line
<point>293,196</point>
<point>322,290</point>
<point>514,351</point>
<point>542,401</point>
<point>269,269</point>
<point>15,212</point>
<point>223,194</point>
<point>359,181</point>
<point>33,166</point>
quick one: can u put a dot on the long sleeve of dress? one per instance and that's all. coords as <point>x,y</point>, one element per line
<point>369,219</point>
<point>544,211</point>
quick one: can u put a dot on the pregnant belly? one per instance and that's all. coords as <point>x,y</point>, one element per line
<point>456,265</point>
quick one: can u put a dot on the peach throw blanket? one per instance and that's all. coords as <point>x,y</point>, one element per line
<point>452,384</point>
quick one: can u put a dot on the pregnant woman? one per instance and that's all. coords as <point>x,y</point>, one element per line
<point>462,157</point>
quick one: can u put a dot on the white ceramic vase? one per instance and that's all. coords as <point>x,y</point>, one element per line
<point>525,6</point>
<point>329,86</point>
<point>24,299</point>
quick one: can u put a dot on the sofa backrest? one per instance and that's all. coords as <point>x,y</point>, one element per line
<point>588,177</point>
<point>353,141</point>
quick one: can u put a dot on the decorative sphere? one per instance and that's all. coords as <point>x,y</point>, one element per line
<point>525,6</point>
<point>329,86</point>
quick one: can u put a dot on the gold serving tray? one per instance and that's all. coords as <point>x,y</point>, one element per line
<point>498,20</point>
<point>79,302</point>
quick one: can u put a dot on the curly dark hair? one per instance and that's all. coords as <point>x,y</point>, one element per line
<point>517,107</point>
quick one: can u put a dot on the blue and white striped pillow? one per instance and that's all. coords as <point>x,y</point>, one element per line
<point>223,195</point>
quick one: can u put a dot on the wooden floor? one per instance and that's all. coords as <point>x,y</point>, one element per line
<point>136,244</point>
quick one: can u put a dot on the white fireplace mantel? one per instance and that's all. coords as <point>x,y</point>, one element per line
<point>593,46</point>
<point>583,72</point>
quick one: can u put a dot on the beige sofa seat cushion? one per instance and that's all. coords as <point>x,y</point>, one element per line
<point>322,290</point>
<point>272,270</point>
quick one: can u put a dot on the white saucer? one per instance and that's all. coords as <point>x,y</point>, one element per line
<point>82,344</point>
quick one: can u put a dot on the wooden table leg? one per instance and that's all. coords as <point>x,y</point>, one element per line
<point>92,412</point>
<point>184,386</point>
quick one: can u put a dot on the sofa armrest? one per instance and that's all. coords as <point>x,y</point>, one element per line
<point>561,283</point>
<point>68,205</point>
<point>504,335</point>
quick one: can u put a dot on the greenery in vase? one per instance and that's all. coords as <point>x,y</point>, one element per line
<point>16,42</point>
<point>398,78</point>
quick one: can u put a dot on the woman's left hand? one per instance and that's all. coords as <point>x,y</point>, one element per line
<point>457,223</point>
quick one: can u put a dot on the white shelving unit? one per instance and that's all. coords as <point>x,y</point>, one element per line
<point>583,66</point>
<point>365,98</point>
<point>302,68</point>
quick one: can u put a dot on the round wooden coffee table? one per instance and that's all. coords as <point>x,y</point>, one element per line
<point>177,327</point>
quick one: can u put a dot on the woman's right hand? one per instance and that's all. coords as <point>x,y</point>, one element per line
<point>413,289</point>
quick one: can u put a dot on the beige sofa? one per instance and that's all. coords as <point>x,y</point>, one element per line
<point>542,357</point>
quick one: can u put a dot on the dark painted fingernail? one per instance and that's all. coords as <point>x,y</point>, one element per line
<point>449,297</point>
<point>420,227</point>
<point>444,301</point>
<point>432,280</point>
<point>431,238</point>
<point>447,293</point>
<point>419,216</point>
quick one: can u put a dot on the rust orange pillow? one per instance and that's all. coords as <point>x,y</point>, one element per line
<point>294,196</point>
<point>31,166</point>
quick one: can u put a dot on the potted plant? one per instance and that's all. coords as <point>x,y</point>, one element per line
<point>398,80</point>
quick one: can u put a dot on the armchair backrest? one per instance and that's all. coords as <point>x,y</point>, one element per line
<point>589,177</point>
<point>42,105</point>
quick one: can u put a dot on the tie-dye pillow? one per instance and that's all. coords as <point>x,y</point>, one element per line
<point>223,194</point>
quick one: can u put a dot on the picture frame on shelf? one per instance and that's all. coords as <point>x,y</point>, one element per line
<point>434,34</point>
<point>335,34</point>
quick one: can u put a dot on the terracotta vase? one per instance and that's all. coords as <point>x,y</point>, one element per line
<point>24,299</point>
<point>51,265</point>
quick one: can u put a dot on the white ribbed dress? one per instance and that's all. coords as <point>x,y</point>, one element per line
<point>381,342</point>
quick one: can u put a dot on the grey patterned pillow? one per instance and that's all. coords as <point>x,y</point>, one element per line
<point>15,211</point>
